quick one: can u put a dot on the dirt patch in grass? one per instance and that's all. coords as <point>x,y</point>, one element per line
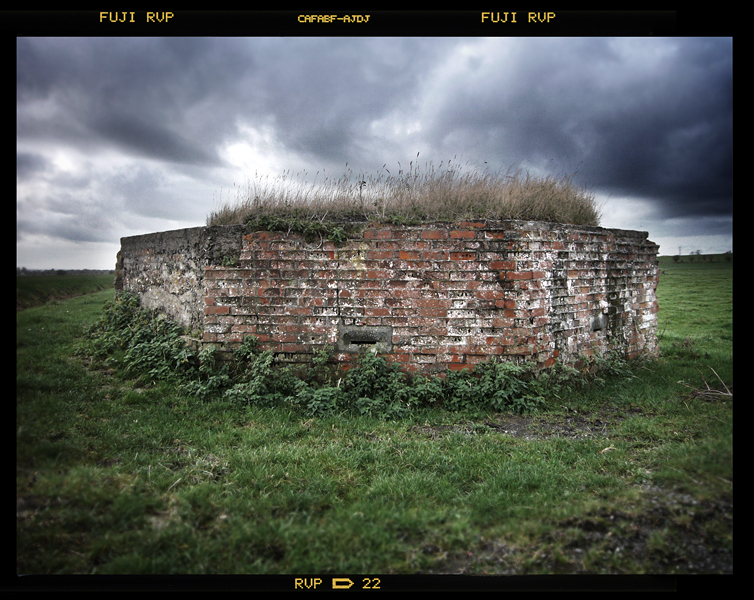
<point>665,532</point>
<point>666,535</point>
<point>534,427</point>
<point>582,425</point>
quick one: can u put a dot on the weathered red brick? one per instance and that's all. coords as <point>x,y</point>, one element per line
<point>431,303</point>
<point>377,234</point>
<point>435,255</point>
<point>406,293</point>
<point>502,265</point>
<point>434,234</point>
<point>490,294</point>
<point>451,303</point>
<point>462,234</point>
<point>462,256</point>
<point>460,366</point>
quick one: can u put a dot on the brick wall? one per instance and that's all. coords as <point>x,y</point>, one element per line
<point>436,296</point>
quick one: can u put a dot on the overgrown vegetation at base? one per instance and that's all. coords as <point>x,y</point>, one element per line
<point>445,193</point>
<point>141,344</point>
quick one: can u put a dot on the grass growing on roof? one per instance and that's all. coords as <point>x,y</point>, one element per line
<point>448,192</point>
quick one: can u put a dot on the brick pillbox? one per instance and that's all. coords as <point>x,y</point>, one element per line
<point>430,297</point>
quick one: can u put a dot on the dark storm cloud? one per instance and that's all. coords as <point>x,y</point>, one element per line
<point>177,99</point>
<point>675,144</point>
<point>64,215</point>
<point>635,121</point>
<point>149,139</point>
<point>29,163</point>
<point>139,95</point>
<point>109,127</point>
<point>325,92</point>
<point>68,228</point>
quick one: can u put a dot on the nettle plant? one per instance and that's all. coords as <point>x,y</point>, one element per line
<point>144,345</point>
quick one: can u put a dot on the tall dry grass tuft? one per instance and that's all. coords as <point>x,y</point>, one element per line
<point>443,193</point>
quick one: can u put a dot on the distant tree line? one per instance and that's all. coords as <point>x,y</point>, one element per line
<point>728,256</point>
<point>20,271</point>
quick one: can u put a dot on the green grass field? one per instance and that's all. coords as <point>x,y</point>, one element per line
<point>630,473</point>
<point>34,290</point>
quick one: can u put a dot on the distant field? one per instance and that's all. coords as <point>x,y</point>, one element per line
<point>690,259</point>
<point>35,290</point>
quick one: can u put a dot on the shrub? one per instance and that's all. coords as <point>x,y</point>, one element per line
<point>139,341</point>
<point>319,402</point>
<point>144,345</point>
<point>495,385</point>
<point>262,384</point>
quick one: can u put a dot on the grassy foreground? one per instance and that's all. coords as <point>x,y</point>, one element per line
<point>630,473</point>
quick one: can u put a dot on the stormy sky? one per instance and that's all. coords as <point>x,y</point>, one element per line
<point>124,136</point>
